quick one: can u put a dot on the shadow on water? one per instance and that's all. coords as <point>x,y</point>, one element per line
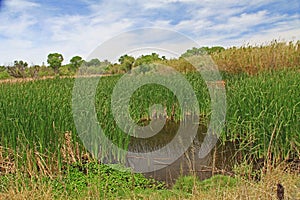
<point>219,160</point>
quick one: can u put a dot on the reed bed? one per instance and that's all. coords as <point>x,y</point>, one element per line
<point>252,59</point>
<point>262,114</point>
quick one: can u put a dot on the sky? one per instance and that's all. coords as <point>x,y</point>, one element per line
<point>31,29</point>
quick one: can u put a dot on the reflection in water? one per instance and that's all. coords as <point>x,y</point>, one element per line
<point>219,159</point>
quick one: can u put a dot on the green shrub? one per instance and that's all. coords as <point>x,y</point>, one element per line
<point>79,178</point>
<point>4,75</point>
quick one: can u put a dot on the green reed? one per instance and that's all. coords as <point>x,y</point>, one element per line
<point>34,115</point>
<point>262,112</point>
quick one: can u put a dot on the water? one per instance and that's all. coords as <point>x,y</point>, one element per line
<point>219,160</point>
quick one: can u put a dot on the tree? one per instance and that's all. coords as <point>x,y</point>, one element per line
<point>126,62</point>
<point>147,59</point>
<point>18,70</point>
<point>195,52</point>
<point>202,51</point>
<point>55,60</point>
<point>76,62</point>
<point>216,49</point>
<point>93,62</point>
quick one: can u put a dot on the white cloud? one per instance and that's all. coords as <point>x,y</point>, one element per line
<point>237,24</point>
<point>162,3</point>
<point>20,5</point>
<point>29,31</point>
<point>15,19</point>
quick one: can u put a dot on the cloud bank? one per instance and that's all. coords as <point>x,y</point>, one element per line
<point>31,29</point>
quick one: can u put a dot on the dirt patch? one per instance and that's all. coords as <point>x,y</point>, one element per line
<point>19,80</point>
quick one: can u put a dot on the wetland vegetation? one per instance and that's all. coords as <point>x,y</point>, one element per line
<point>41,153</point>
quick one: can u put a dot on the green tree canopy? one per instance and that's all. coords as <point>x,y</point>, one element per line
<point>55,60</point>
<point>93,62</point>
<point>76,62</point>
<point>126,62</point>
<point>147,59</point>
<point>202,51</point>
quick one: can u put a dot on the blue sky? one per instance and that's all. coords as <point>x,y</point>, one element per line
<point>31,29</point>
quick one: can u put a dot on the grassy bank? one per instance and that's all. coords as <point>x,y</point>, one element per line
<point>93,181</point>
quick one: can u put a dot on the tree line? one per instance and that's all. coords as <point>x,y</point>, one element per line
<point>21,69</point>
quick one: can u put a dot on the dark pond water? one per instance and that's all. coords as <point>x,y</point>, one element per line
<point>219,160</point>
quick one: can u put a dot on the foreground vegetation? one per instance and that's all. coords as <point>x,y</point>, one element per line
<point>94,181</point>
<point>41,154</point>
<point>42,137</point>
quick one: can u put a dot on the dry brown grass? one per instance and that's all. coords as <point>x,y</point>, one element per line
<point>252,59</point>
<point>19,80</point>
<point>27,79</point>
<point>36,192</point>
<point>265,189</point>
<point>70,151</point>
<point>7,164</point>
<point>36,167</point>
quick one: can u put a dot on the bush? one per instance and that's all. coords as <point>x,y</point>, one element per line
<point>45,71</point>
<point>4,75</point>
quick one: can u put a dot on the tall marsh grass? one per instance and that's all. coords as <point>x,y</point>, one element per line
<point>265,57</point>
<point>33,118</point>
<point>262,116</point>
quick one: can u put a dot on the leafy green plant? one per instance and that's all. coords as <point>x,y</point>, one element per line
<point>79,178</point>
